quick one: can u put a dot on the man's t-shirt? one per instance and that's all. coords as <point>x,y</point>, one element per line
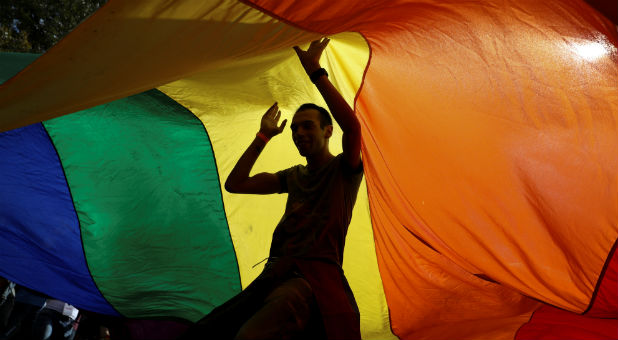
<point>318,210</point>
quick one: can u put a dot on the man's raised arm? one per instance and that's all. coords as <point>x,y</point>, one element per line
<point>263,183</point>
<point>339,108</point>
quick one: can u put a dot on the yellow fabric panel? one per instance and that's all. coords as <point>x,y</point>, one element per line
<point>230,101</point>
<point>91,66</point>
<point>175,38</point>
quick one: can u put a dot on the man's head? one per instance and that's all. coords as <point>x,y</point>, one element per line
<point>311,127</point>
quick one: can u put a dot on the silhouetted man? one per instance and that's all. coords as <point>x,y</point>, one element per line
<point>302,292</point>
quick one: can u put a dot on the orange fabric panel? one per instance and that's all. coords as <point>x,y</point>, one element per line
<point>429,297</point>
<point>512,157</point>
<point>490,135</point>
<point>127,47</point>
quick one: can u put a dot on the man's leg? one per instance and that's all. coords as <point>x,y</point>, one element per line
<point>286,312</point>
<point>223,322</point>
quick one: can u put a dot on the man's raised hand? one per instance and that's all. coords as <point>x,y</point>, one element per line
<point>268,126</point>
<point>310,59</point>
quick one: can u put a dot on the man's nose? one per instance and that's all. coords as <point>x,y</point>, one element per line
<point>300,132</point>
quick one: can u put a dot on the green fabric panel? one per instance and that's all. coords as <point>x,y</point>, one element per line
<point>147,193</point>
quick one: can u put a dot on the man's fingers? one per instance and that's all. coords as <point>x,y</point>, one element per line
<point>272,110</point>
<point>297,50</point>
<point>282,125</point>
<point>325,42</point>
<point>321,45</point>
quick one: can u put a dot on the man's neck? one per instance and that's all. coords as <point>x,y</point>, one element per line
<point>317,161</point>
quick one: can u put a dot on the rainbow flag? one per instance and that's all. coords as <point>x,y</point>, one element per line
<point>490,147</point>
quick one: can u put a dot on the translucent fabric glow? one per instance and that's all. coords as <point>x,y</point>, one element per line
<point>489,142</point>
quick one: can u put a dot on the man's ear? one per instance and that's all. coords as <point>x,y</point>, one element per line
<point>328,131</point>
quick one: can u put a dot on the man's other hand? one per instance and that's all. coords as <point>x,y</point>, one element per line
<point>310,59</point>
<point>268,126</point>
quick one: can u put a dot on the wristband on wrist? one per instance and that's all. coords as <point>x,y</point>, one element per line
<point>315,75</point>
<point>262,137</point>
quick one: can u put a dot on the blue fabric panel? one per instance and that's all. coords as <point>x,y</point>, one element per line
<point>40,241</point>
<point>41,245</point>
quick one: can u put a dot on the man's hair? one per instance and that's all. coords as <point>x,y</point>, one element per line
<point>325,118</point>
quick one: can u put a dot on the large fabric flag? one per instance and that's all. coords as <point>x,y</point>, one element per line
<point>490,148</point>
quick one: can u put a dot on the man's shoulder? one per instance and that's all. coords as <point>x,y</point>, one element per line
<point>291,171</point>
<point>292,168</point>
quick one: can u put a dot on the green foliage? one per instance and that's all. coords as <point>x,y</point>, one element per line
<point>36,25</point>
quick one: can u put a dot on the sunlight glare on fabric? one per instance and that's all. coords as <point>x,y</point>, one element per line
<point>591,50</point>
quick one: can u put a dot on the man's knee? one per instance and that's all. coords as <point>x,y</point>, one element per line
<point>294,296</point>
<point>286,312</point>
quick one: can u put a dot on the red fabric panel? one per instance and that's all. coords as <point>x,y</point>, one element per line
<point>550,323</point>
<point>605,303</point>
